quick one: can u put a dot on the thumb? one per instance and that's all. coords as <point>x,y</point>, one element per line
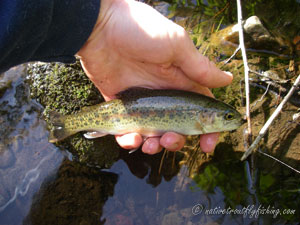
<point>198,67</point>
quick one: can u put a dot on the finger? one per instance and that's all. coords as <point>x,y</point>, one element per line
<point>151,146</point>
<point>162,74</point>
<point>129,141</point>
<point>208,142</point>
<point>197,66</point>
<point>206,73</point>
<point>172,141</point>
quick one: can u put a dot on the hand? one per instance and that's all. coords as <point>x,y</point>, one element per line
<point>134,45</point>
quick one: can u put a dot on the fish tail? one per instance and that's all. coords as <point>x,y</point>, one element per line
<point>58,132</point>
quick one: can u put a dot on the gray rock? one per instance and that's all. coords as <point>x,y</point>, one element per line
<point>256,30</point>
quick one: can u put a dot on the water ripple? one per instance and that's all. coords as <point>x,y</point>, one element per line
<point>30,177</point>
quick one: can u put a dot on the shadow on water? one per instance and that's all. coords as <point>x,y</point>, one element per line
<point>42,184</point>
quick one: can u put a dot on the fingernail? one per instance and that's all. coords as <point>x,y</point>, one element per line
<point>229,73</point>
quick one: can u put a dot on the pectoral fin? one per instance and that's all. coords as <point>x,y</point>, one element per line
<point>94,134</point>
<point>200,127</point>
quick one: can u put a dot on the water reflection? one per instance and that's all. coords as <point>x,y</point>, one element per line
<point>74,195</point>
<point>152,168</point>
<point>26,157</point>
<point>30,177</point>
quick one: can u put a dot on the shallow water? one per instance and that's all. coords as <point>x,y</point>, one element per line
<point>42,184</point>
<point>26,158</point>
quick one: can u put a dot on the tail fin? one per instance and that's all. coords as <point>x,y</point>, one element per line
<point>58,132</point>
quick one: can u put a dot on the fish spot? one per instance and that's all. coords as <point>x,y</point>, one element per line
<point>171,116</point>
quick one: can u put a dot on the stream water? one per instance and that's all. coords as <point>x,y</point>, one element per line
<point>42,184</point>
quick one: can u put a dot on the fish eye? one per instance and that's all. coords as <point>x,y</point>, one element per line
<point>229,116</point>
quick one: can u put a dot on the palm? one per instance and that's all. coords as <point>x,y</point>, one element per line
<point>133,45</point>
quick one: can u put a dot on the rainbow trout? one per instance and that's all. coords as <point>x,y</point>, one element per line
<point>150,113</point>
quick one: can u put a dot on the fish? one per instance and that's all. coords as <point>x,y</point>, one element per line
<point>149,112</point>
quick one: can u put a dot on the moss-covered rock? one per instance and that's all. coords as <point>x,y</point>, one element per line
<point>66,89</point>
<point>60,87</point>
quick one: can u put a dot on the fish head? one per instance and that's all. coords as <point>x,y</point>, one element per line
<point>230,119</point>
<point>219,119</point>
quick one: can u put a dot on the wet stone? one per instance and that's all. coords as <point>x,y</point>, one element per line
<point>3,87</point>
<point>2,200</point>
<point>17,144</point>
<point>7,157</point>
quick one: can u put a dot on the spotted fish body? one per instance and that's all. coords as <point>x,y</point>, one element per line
<point>150,113</point>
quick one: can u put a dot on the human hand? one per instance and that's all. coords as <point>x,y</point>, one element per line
<point>134,45</point>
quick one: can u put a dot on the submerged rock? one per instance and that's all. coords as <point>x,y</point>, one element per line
<point>7,157</point>
<point>3,87</point>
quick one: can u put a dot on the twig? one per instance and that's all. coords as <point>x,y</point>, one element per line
<point>296,116</point>
<point>162,160</point>
<point>221,11</point>
<point>246,70</point>
<point>277,160</point>
<point>259,74</point>
<point>262,97</point>
<point>235,52</point>
<point>271,119</point>
<point>265,76</point>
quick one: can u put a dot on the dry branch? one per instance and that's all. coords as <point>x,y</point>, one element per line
<point>246,71</point>
<point>270,120</point>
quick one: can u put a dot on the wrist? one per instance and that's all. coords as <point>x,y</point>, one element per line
<point>106,10</point>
